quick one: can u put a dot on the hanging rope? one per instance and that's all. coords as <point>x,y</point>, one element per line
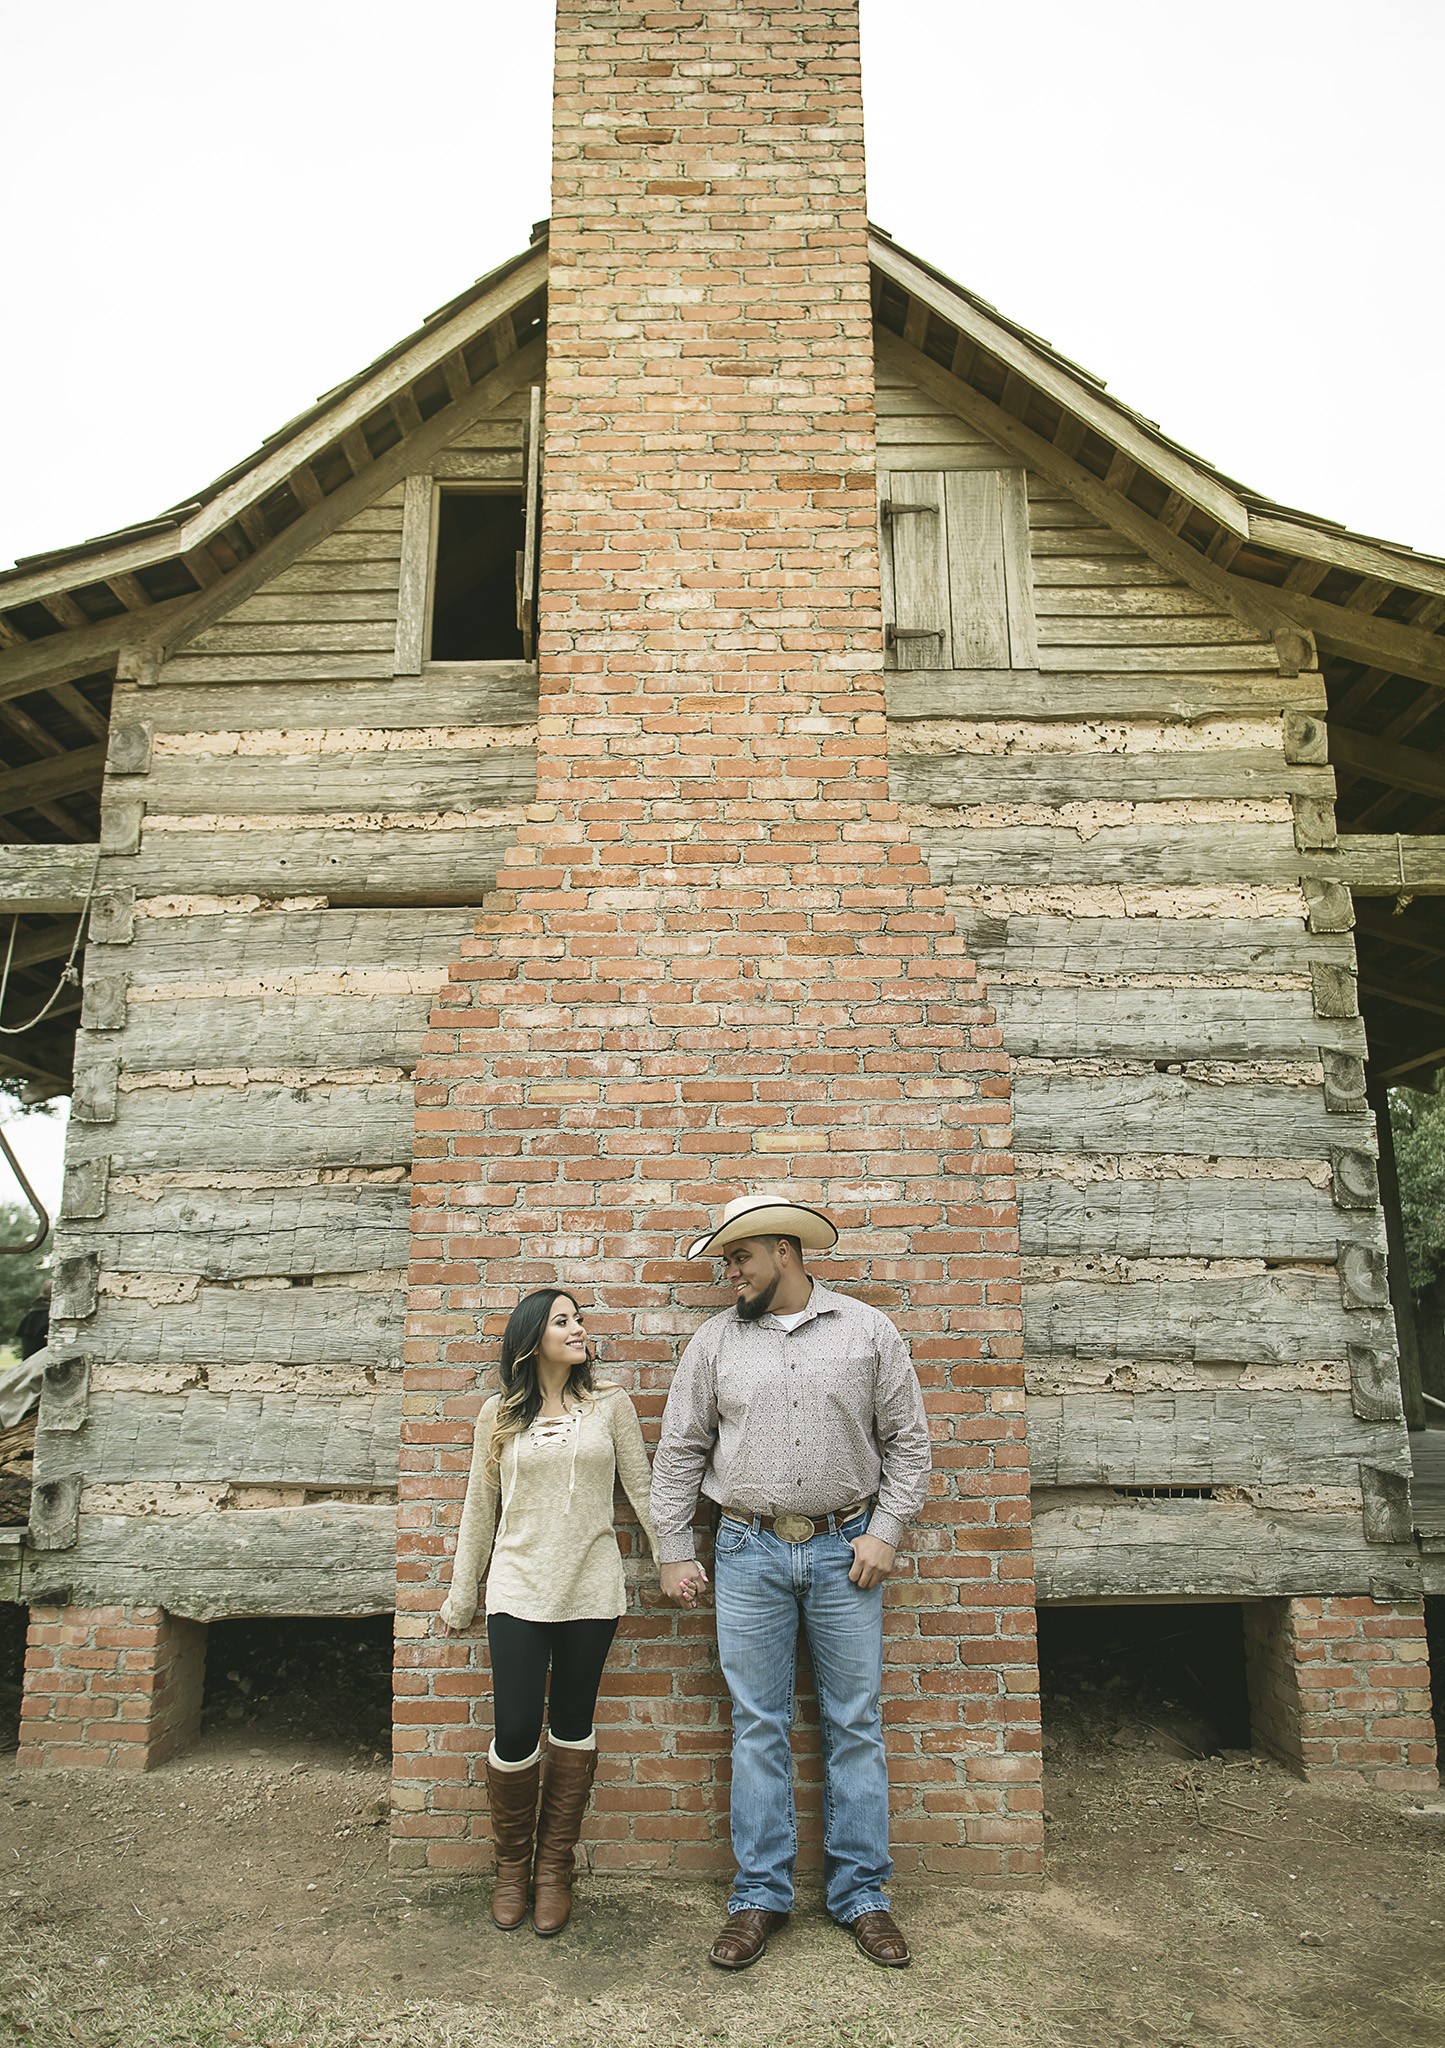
<point>69,976</point>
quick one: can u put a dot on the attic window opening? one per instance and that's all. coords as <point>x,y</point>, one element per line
<point>479,534</point>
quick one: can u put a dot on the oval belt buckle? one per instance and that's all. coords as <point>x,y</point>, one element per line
<point>793,1528</point>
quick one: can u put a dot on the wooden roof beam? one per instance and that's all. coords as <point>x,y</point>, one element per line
<point>1048,375</point>
<point>203,566</point>
<point>1386,989</point>
<point>1390,930</point>
<point>56,815</point>
<point>65,611</point>
<point>71,774</point>
<point>454,369</point>
<point>1384,864</point>
<point>356,450</point>
<point>1347,551</point>
<point>45,880</point>
<point>33,948</point>
<point>131,592</point>
<point>406,412</point>
<point>1358,636</point>
<point>305,489</point>
<point>1382,761</point>
<point>80,708</point>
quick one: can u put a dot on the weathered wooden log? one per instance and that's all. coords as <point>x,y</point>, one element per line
<point>327,1559</point>
<point>255,1129</point>
<point>1069,1112</point>
<point>1224,1437</point>
<point>1203,1218</point>
<point>202,1438</point>
<point>1252,776</point>
<point>237,1234</point>
<point>1097,1547</point>
<point>1168,1024</point>
<point>295,1326</point>
<point>1280,1317</point>
<point>426,865</point>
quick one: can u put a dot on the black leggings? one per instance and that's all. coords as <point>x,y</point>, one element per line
<point>521,1651</point>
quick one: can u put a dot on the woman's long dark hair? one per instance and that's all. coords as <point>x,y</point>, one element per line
<point>521,1401</point>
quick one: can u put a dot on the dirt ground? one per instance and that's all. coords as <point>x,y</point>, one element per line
<point>240,1894</point>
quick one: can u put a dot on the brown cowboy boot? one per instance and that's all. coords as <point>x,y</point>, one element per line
<point>565,1793</point>
<point>512,1796</point>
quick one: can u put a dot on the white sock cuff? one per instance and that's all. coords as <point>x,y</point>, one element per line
<point>587,1742</point>
<point>500,1763</point>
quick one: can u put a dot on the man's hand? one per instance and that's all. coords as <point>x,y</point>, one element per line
<point>872,1561</point>
<point>681,1583</point>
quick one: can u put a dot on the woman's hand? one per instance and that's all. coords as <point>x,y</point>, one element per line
<point>681,1583</point>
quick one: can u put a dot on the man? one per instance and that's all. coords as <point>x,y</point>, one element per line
<point>793,1411</point>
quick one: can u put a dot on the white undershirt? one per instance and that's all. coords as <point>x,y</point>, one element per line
<point>791,1322</point>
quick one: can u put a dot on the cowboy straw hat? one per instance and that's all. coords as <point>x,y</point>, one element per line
<point>766,1215</point>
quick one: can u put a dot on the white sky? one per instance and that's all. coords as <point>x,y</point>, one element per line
<point>1230,213</point>
<point>38,1142</point>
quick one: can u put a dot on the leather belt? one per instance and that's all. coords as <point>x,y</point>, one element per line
<point>795,1528</point>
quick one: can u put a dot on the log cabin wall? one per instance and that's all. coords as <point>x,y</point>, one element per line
<point>1121,811</point>
<point>293,834</point>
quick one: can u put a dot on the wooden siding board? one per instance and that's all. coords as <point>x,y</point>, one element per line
<point>1044,697</point>
<point>281,1030</point>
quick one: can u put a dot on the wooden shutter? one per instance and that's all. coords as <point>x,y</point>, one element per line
<point>532,512</point>
<point>957,576</point>
<point>914,555</point>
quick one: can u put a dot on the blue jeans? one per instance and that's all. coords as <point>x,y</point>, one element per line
<point>763,1586</point>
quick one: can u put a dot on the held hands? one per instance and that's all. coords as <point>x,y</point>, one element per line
<point>872,1561</point>
<point>681,1583</point>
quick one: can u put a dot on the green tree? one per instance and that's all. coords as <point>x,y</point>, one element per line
<point>1418,1124</point>
<point>21,1275</point>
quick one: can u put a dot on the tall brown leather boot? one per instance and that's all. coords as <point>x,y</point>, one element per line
<point>565,1793</point>
<point>512,1796</point>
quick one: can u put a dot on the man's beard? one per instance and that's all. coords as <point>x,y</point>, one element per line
<point>753,1311</point>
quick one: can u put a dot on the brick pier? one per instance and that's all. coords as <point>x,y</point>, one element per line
<point>1339,1688</point>
<point>109,1687</point>
<point>715,960</point>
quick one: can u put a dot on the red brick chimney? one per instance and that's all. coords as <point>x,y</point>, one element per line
<point>714,960</point>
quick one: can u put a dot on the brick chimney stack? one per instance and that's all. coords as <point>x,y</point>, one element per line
<point>714,959</point>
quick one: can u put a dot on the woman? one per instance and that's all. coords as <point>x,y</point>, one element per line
<point>549,1447</point>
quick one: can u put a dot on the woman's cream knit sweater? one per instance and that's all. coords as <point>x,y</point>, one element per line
<point>554,1556</point>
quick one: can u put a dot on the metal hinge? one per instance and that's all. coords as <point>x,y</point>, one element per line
<point>892,508</point>
<point>893,634</point>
